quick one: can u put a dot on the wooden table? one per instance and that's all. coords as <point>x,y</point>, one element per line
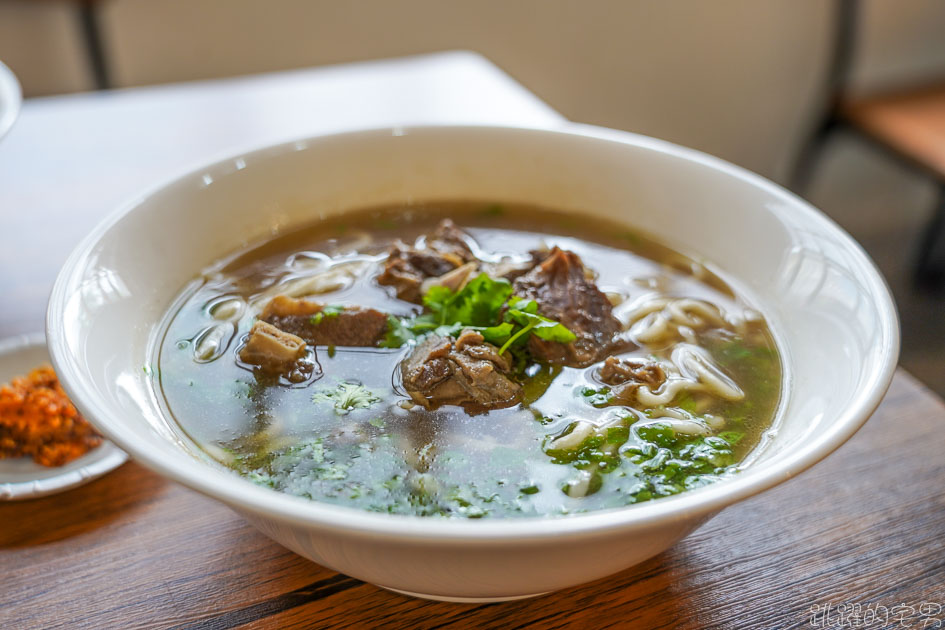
<point>861,533</point>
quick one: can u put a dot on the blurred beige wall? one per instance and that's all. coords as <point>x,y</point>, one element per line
<point>41,42</point>
<point>902,42</point>
<point>737,78</point>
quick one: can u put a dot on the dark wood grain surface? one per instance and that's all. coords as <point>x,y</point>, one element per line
<point>865,527</point>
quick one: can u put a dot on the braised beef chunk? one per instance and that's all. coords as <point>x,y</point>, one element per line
<point>616,371</point>
<point>627,375</point>
<point>563,291</point>
<point>406,268</point>
<point>466,371</point>
<point>276,352</point>
<point>508,269</point>
<point>326,326</point>
<point>427,370</point>
<point>449,239</point>
<point>442,251</point>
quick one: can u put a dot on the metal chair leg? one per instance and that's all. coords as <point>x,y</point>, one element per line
<point>846,19</point>
<point>930,270</point>
<point>810,153</point>
<point>92,33</point>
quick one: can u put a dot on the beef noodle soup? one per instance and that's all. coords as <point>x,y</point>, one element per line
<point>469,360</point>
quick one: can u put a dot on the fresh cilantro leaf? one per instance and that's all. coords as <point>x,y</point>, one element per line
<point>550,330</point>
<point>398,333</point>
<point>497,335</point>
<point>476,304</point>
<point>401,330</point>
<point>438,299</point>
<point>525,313</point>
<point>521,304</point>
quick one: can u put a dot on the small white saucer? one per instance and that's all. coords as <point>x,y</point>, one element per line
<point>22,478</point>
<point>10,99</point>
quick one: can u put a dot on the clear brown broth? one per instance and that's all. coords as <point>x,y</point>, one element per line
<point>446,462</point>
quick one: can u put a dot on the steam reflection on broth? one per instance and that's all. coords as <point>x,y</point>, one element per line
<point>513,361</point>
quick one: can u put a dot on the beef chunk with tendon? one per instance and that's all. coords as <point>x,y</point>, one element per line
<point>616,371</point>
<point>276,352</point>
<point>466,371</point>
<point>437,254</point>
<point>564,292</point>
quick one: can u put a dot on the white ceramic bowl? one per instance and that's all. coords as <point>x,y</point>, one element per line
<point>831,311</point>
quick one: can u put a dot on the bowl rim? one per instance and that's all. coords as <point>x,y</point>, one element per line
<point>245,497</point>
